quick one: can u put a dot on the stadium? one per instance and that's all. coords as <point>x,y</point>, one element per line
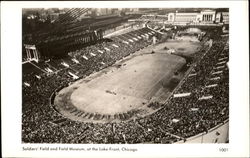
<point>125,76</point>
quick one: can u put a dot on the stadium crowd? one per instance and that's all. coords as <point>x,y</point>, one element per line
<point>180,118</point>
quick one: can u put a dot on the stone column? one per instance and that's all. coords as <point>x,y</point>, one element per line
<point>35,54</point>
<point>28,53</point>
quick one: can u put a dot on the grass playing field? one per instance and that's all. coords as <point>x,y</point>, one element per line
<point>130,84</point>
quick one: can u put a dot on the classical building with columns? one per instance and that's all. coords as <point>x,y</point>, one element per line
<point>31,52</point>
<point>203,16</point>
<point>208,16</point>
<point>183,17</point>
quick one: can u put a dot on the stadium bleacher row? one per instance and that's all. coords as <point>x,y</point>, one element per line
<point>179,119</point>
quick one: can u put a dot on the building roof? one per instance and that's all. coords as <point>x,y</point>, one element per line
<point>222,9</point>
<point>208,10</point>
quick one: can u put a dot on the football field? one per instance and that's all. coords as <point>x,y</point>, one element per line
<point>131,83</point>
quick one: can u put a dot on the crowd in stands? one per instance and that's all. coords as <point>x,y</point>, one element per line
<point>180,118</point>
<point>208,104</point>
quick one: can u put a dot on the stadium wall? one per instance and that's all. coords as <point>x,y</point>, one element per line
<point>218,134</point>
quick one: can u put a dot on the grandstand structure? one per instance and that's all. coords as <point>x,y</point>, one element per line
<point>126,78</point>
